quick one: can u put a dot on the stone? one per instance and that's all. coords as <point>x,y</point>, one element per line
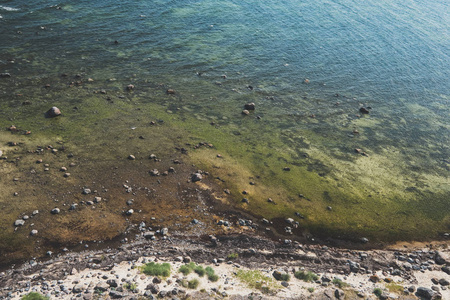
<point>249,106</point>
<point>285,284</point>
<point>154,172</point>
<point>446,269</point>
<point>196,177</point>
<point>55,211</point>
<point>153,288</point>
<point>53,112</point>
<point>354,266</point>
<point>374,278</point>
<point>129,212</point>
<point>424,292</point>
<point>444,282</point>
<point>245,112</point>
<point>442,258</point>
<point>35,212</point>
<point>112,283</point>
<point>157,280</point>
<point>164,231</point>
<point>102,286</point>
<point>33,232</point>
<point>363,110</point>
<point>339,294</point>
<point>78,288</point>
<point>86,191</point>
<point>116,295</point>
<point>131,157</point>
<point>130,87</point>
<point>277,275</point>
<point>97,199</point>
<point>19,222</point>
<point>171,92</point>
<point>5,75</point>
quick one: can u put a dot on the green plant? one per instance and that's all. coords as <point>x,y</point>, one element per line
<point>394,288</point>
<point>311,289</point>
<point>285,277</point>
<point>34,296</point>
<point>193,284</point>
<point>211,274</point>
<point>378,292</point>
<point>307,276</point>
<point>232,256</point>
<point>200,271</point>
<point>154,269</point>
<point>130,286</point>
<point>338,282</point>
<point>186,269</point>
<point>255,279</point>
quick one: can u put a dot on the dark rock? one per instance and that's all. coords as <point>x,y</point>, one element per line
<point>249,106</point>
<point>5,75</point>
<point>354,266</point>
<point>170,91</point>
<point>446,269</point>
<point>444,282</point>
<point>363,110</point>
<point>285,284</point>
<point>442,258</point>
<point>115,295</point>
<point>196,177</point>
<point>112,282</point>
<point>77,289</point>
<point>424,292</point>
<point>339,294</point>
<point>149,234</point>
<point>157,280</point>
<point>277,275</point>
<point>53,112</point>
<point>153,288</point>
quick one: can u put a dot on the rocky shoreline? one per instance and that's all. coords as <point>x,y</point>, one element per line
<point>420,272</point>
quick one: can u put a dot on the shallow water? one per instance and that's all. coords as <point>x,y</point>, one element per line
<point>392,57</point>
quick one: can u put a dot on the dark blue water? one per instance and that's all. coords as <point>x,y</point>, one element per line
<point>393,56</point>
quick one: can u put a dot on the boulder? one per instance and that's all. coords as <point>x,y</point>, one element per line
<point>19,222</point>
<point>196,177</point>
<point>53,112</point>
<point>442,258</point>
<point>425,293</point>
<point>249,106</point>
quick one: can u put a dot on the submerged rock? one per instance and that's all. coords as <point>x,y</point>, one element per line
<point>53,112</point>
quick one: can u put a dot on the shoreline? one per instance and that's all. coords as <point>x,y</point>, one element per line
<point>358,273</point>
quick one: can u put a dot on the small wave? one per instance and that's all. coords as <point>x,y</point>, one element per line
<point>7,8</point>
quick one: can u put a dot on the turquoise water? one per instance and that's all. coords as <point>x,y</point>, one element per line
<point>392,56</point>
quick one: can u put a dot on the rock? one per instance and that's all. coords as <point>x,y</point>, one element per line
<point>129,212</point>
<point>53,112</point>
<point>363,110</point>
<point>249,106</point>
<point>130,87</point>
<point>78,288</point>
<point>86,191</point>
<point>131,157</point>
<point>149,234</point>
<point>154,172</point>
<point>157,280</point>
<point>290,221</point>
<point>164,231</point>
<point>33,232</point>
<point>102,286</point>
<point>19,222</point>
<point>374,278</point>
<point>442,258</point>
<point>446,269</point>
<point>1,153</point>
<point>285,284</point>
<point>171,92</point>
<point>97,199</point>
<point>112,283</point>
<point>245,112</point>
<point>277,275</point>
<point>116,295</point>
<point>55,211</point>
<point>444,282</point>
<point>196,177</point>
<point>424,292</point>
<point>354,267</point>
<point>364,240</point>
<point>339,294</point>
<point>153,288</point>
<point>35,212</point>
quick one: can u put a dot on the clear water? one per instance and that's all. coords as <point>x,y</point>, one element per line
<point>393,56</point>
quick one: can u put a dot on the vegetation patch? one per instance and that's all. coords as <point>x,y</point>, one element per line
<point>211,274</point>
<point>394,288</point>
<point>34,296</point>
<point>339,283</point>
<point>255,279</point>
<point>155,269</point>
<point>307,276</point>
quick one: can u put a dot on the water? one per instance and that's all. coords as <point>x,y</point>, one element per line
<point>390,55</point>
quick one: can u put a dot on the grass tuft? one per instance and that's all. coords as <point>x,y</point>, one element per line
<point>307,276</point>
<point>155,269</point>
